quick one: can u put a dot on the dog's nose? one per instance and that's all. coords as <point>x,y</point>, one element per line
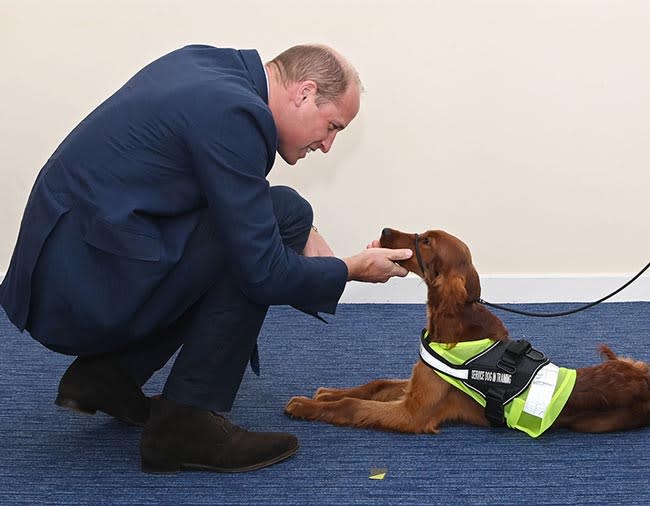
<point>386,232</point>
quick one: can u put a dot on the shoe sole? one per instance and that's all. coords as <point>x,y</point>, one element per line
<point>174,469</point>
<point>80,407</point>
<point>74,405</point>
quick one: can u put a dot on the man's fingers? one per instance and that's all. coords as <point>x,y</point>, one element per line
<point>400,271</point>
<point>399,254</point>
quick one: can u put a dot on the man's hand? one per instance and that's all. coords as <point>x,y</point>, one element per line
<point>377,265</point>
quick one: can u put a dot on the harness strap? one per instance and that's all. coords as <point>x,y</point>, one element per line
<point>494,400</point>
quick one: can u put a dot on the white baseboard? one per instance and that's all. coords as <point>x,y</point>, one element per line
<point>505,288</point>
<point>510,288</point>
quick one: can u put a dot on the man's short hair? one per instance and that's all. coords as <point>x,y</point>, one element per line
<point>321,64</point>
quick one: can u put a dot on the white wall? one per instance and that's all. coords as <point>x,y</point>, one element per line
<point>521,126</point>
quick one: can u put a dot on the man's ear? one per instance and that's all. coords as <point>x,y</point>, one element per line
<point>304,91</point>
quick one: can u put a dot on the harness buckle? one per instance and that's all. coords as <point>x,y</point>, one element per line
<point>512,355</point>
<point>536,355</point>
<point>518,347</point>
<point>507,365</point>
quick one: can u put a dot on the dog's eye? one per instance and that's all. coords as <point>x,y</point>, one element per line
<point>424,240</point>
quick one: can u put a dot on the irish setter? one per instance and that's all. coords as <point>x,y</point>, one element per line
<point>614,395</point>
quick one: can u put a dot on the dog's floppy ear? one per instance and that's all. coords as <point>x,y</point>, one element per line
<point>450,297</point>
<point>472,284</point>
<point>451,292</point>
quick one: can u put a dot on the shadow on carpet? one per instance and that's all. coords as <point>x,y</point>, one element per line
<point>52,456</point>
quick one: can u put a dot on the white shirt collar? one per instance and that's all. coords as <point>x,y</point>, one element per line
<point>266,74</point>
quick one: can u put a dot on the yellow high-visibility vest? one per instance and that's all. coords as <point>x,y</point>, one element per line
<point>533,410</point>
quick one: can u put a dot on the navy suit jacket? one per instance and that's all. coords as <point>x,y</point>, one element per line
<point>189,132</point>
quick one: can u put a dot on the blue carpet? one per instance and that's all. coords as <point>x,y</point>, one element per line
<point>52,456</point>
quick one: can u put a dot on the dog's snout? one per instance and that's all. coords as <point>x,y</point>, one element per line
<point>386,233</point>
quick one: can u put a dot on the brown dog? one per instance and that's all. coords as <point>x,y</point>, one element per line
<point>614,395</point>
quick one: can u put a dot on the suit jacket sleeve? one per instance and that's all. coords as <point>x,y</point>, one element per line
<point>232,150</point>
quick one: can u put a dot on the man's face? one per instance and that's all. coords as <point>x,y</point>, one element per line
<point>309,126</point>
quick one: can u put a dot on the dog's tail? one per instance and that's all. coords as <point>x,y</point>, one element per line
<point>607,354</point>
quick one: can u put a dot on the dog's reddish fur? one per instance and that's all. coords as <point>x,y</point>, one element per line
<point>614,395</point>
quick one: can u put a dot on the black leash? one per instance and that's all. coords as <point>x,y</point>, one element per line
<point>537,315</point>
<point>565,313</point>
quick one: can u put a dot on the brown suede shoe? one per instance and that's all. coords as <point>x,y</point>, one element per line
<point>100,384</point>
<point>179,437</point>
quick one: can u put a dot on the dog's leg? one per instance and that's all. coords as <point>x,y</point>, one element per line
<point>620,419</point>
<point>378,390</point>
<point>427,402</point>
<point>393,415</point>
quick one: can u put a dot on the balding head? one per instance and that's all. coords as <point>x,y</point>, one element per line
<point>332,73</point>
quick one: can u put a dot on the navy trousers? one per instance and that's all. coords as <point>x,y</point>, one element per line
<point>199,309</point>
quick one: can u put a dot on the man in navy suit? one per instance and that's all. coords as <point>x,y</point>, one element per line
<point>153,227</point>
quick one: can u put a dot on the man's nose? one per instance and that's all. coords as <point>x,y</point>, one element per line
<point>326,145</point>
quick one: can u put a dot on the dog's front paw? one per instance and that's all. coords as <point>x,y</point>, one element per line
<point>299,407</point>
<point>328,394</point>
